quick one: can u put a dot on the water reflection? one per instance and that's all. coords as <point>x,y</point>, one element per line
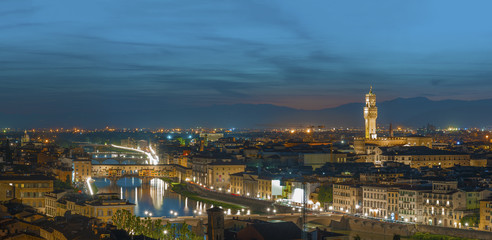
<point>154,196</point>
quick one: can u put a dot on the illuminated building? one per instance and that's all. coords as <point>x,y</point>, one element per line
<point>408,200</point>
<point>82,170</point>
<point>393,204</point>
<point>103,207</point>
<point>370,115</point>
<point>443,205</point>
<point>218,172</point>
<point>30,189</point>
<point>367,144</point>
<point>417,157</point>
<point>375,200</point>
<point>25,139</point>
<point>237,183</point>
<point>347,197</point>
<point>486,215</point>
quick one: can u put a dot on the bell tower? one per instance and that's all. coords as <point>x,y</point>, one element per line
<point>370,115</point>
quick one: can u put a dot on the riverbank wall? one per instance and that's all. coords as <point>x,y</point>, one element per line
<point>255,205</point>
<point>386,228</point>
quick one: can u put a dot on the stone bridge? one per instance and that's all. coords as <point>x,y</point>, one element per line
<point>100,157</point>
<point>116,171</point>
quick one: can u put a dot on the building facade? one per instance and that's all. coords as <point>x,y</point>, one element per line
<point>375,201</point>
<point>347,198</point>
<point>408,200</point>
<point>219,173</point>
<point>442,205</point>
<point>82,170</point>
<point>486,215</point>
<point>370,115</point>
<point>30,189</point>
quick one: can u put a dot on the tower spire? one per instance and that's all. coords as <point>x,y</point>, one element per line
<point>370,115</point>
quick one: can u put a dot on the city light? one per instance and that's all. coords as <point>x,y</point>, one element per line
<point>89,185</point>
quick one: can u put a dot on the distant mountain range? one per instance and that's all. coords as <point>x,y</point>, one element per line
<point>409,112</point>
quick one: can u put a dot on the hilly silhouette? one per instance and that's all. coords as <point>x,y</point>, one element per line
<point>406,112</point>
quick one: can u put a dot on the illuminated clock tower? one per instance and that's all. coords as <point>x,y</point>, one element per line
<point>370,115</point>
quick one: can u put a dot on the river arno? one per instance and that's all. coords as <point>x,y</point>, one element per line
<point>154,197</point>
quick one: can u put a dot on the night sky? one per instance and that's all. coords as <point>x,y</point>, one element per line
<point>62,57</point>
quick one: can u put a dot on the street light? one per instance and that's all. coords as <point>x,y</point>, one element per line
<point>13,190</point>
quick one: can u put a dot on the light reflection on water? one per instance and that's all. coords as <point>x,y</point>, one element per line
<point>154,197</point>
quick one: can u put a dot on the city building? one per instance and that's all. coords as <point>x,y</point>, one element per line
<point>199,167</point>
<point>318,159</point>
<point>486,215</point>
<point>82,170</point>
<point>237,181</point>
<point>211,137</point>
<point>102,206</point>
<point>264,187</point>
<point>393,204</point>
<point>409,198</point>
<point>474,196</point>
<point>441,206</point>
<point>371,140</point>
<point>218,172</point>
<point>370,116</point>
<point>29,189</point>
<point>375,201</point>
<point>421,156</point>
<point>51,202</point>
<point>347,198</point>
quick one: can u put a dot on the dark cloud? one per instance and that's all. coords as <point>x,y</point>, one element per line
<point>147,55</point>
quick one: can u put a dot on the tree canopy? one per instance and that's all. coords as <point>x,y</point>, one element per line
<point>155,229</point>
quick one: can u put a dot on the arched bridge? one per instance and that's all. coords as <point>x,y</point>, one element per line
<point>116,171</point>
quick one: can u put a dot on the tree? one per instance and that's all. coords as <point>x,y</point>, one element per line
<point>396,237</point>
<point>472,220</point>
<point>357,237</point>
<point>325,194</point>
<point>155,229</point>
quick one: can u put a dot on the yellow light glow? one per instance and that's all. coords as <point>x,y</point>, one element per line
<point>292,131</point>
